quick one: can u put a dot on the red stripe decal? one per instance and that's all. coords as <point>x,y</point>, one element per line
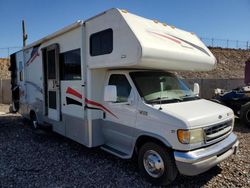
<point>87,101</point>
<point>99,105</point>
<point>73,92</point>
<point>165,36</point>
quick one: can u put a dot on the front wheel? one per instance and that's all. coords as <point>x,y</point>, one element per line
<point>156,164</point>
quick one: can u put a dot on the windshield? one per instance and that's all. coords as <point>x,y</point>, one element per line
<point>161,87</point>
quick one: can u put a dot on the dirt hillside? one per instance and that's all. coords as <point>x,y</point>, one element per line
<point>230,64</point>
<point>4,65</point>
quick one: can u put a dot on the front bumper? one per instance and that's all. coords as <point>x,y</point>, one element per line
<point>198,161</point>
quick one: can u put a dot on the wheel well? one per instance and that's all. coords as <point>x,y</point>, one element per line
<point>143,139</point>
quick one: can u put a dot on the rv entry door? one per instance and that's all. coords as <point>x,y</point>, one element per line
<point>53,82</point>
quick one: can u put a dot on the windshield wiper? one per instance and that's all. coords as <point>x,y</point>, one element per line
<point>157,99</point>
<point>164,99</point>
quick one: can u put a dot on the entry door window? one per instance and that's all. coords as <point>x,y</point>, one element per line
<point>51,64</point>
<point>122,85</point>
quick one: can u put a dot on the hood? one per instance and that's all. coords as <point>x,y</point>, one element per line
<point>198,112</point>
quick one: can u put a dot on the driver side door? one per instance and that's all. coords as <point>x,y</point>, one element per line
<point>120,122</point>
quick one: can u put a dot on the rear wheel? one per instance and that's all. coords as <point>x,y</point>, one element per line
<point>156,164</point>
<point>245,114</point>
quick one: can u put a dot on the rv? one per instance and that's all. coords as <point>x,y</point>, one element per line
<point>107,82</point>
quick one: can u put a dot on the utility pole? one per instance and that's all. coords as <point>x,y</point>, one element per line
<point>25,36</point>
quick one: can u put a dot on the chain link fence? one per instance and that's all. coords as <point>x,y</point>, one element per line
<point>226,43</point>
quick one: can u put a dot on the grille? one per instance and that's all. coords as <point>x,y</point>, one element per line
<point>218,131</point>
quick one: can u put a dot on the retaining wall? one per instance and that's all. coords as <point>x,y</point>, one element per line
<point>5,91</point>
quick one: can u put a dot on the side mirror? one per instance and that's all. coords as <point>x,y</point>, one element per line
<point>196,89</point>
<point>110,93</point>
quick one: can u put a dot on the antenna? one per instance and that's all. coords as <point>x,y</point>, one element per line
<point>25,36</point>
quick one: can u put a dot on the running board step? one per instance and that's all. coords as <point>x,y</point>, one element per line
<point>114,151</point>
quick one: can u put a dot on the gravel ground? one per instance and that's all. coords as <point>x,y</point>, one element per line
<point>31,158</point>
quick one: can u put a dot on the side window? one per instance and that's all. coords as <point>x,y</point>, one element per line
<point>70,65</point>
<point>101,43</point>
<point>122,85</point>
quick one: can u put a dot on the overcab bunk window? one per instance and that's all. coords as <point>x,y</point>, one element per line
<point>101,43</point>
<point>70,64</point>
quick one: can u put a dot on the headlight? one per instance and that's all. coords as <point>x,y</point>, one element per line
<point>190,136</point>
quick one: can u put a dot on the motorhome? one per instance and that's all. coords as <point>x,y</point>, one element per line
<point>107,82</point>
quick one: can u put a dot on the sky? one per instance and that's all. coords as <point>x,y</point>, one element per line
<point>221,19</point>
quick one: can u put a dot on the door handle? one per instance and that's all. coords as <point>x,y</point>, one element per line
<point>55,84</point>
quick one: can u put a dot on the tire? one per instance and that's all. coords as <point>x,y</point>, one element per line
<point>156,164</point>
<point>245,114</point>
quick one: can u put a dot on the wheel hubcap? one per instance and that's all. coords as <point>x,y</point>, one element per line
<point>153,163</point>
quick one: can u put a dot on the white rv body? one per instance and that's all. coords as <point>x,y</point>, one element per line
<point>74,105</point>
